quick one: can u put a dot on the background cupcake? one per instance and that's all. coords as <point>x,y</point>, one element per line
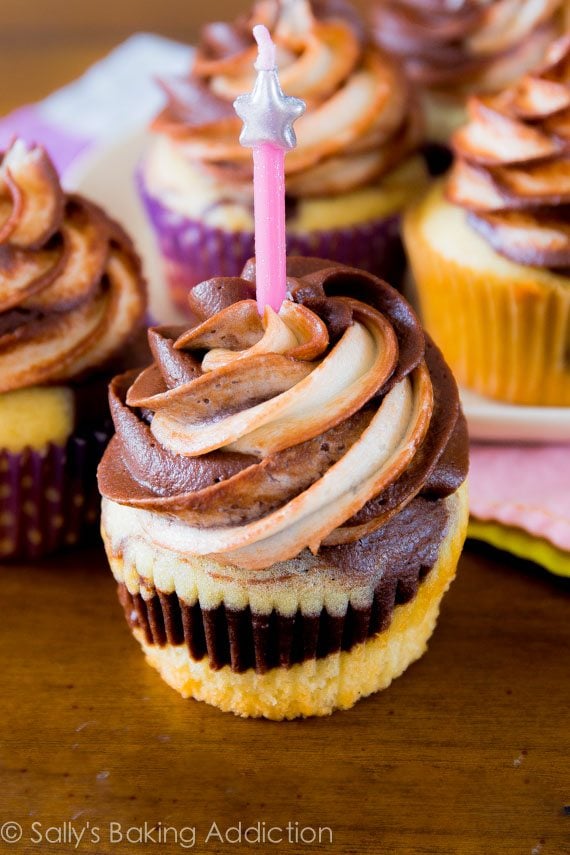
<point>71,297</point>
<point>492,261</point>
<point>352,173</point>
<point>452,50</point>
<point>284,516</point>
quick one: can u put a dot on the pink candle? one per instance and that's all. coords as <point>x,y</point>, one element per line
<point>268,117</point>
<point>270,240</point>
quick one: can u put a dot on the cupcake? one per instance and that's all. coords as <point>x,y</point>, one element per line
<point>453,50</point>
<point>490,248</point>
<point>71,298</point>
<point>354,168</point>
<point>284,500</point>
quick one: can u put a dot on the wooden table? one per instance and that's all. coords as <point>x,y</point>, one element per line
<point>468,752</point>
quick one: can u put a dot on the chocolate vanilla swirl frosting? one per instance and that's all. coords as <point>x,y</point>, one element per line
<point>512,169</point>
<point>309,431</point>
<point>467,45</point>
<point>361,118</point>
<point>71,290</point>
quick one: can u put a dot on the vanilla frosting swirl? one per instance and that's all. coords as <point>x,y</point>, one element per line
<point>512,171</point>
<point>361,119</point>
<point>470,45</point>
<point>251,439</point>
<point>71,290</point>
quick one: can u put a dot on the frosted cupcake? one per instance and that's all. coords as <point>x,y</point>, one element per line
<point>71,298</point>
<point>353,171</point>
<point>490,249</point>
<point>284,497</point>
<point>453,50</point>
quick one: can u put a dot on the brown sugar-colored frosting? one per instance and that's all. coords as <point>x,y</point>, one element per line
<point>249,439</point>
<point>361,117</point>
<point>71,289</point>
<point>512,169</point>
<point>470,45</point>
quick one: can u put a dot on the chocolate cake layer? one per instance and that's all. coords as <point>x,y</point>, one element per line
<point>408,546</point>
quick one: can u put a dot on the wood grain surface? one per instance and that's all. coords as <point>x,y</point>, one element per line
<point>467,753</point>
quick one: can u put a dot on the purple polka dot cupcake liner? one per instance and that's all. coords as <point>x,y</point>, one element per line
<point>49,499</point>
<point>193,252</point>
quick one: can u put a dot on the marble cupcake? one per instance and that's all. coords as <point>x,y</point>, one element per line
<point>71,299</point>
<point>284,500</point>
<point>353,170</point>
<point>453,50</point>
<point>490,248</point>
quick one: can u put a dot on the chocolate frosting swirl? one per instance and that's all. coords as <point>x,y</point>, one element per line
<point>251,439</point>
<point>361,118</point>
<point>468,46</point>
<point>71,289</point>
<point>512,171</point>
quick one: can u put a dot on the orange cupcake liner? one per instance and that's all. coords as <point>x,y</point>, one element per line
<point>508,340</point>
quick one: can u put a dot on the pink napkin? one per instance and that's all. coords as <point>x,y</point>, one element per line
<point>524,487</point>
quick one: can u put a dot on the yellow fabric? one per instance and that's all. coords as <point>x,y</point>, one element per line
<point>503,328</point>
<point>522,544</point>
<point>35,417</point>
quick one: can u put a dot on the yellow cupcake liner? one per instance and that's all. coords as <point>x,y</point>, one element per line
<point>507,337</point>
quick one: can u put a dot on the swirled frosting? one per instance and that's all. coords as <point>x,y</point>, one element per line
<point>361,119</point>
<point>470,45</point>
<point>250,439</point>
<point>71,290</point>
<point>512,171</point>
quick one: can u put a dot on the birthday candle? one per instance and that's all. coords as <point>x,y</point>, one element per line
<point>268,117</point>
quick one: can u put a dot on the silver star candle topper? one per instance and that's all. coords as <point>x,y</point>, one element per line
<point>267,113</point>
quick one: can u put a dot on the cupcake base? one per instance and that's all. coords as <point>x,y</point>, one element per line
<point>318,685</point>
<point>504,328</point>
<point>193,252</point>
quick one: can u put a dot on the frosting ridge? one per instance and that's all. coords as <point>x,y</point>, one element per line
<point>512,169</point>
<point>71,288</point>
<point>467,46</point>
<point>361,119</point>
<point>251,438</point>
